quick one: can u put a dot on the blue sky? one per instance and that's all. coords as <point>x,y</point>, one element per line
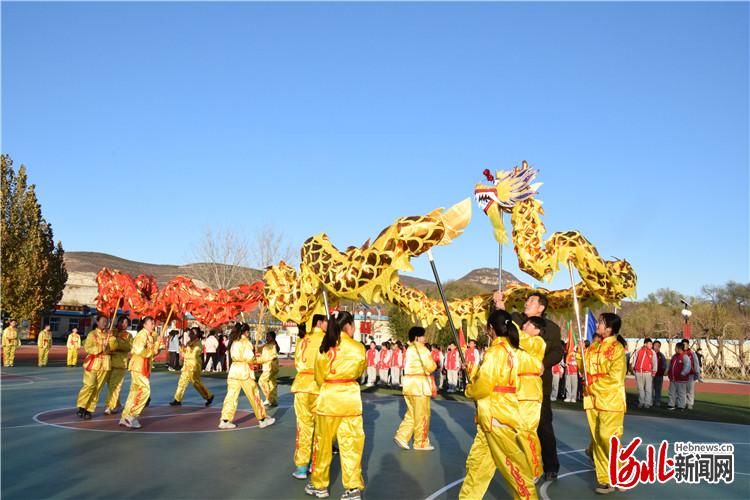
<point>142,123</point>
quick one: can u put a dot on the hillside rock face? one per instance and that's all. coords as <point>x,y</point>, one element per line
<point>487,277</point>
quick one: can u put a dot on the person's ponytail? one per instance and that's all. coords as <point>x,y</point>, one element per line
<point>335,326</point>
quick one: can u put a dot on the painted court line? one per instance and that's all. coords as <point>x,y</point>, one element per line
<point>543,489</point>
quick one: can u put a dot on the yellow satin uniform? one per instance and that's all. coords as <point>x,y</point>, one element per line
<point>96,368</point>
<point>241,377</point>
<point>605,402</point>
<point>269,357</point>
<point>530,367</point>
<point>417,390</point>
<point>338,413</point>
<point>191,371</point>
<point>73,344</point>
<point>43,342</point>
<point>146,345</point>
<point>494,388</point>
<point>10,343</point>
<point>120,344</point>
<point>305,391</point>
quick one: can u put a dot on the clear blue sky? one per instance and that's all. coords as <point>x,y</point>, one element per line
<point>141,123</point>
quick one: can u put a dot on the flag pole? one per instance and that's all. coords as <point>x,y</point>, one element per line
<point>500,258</point>
<point>445,305</point>
<point>577,309</point>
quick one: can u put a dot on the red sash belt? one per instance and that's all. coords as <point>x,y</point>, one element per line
<point>306,372</point>
<point>341,381</point>
<point>147,367</point>
<point>508,389</point>
<point>89,361</point>
<point>530,374</point>
<point>594,376</point>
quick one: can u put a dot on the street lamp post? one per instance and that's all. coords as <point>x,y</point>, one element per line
<point>686,313</point>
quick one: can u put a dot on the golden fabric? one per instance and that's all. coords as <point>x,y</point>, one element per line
<point>145,346</point>
<point>140,391</point>
<point>115,380</point>
<point>350,434</point>
<point>494,387</point>
<point>234,386</point>
<point>416,422</point>
<point>120,343</point>
<point>530,367</point>
<point>241,377</point>
<point>337,373</point>
<point>191,371</point>
<point>304,361</point>
<point>338,411</point>
<point>43,342</point>
<point>88,396</point>
<point>304,406</point>
<point>605,403</point>
<point>603,425</point>
<point>73,344</point>
<point>605,369</point>
<point>500,446</point>
<point>269,357</point>
<point>418,366</point>
<point>96,348</point>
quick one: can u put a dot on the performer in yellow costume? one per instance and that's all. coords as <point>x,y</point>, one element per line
<point>146,345</point>
<point>530,367</point>
<point>120,343</point>
<point>73,344</point>
<point>417,389</point>
<point>191,370</point>
<point>241,377</point>
<point>305,391</point>
<point>10,342</point>
<point>96,367</point>
<point>605,399</point>
<point>269,357</point>
<point>338,410</point>
<point>44,343</point>
<point>494,388</point>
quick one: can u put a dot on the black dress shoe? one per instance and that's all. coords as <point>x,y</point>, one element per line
<point>87,415</point>
<point>175,403</point>
<point>80,412</point>
<point>550,476</point>
<point>210,400</point>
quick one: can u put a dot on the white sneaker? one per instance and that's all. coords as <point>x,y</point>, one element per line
<point>266,422</point>
<point>134,423</point>
<point>266,403</point>
<point>107,411</point>
<point>401,444</point>
<point>426,448</point>
<point>227,425</point>
<point>125,422</point>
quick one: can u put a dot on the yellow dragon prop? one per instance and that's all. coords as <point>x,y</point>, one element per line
<point>370,273</point>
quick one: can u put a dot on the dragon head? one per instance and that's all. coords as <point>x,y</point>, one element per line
<point>509,188</point>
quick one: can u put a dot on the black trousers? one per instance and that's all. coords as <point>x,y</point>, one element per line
<point>174,360</point>
<point>547,437</point>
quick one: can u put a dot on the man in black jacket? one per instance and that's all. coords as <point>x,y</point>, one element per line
<point>536,305</point>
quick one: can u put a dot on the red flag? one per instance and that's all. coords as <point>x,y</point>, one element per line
<point>570,346</point>
<point>461,339</point>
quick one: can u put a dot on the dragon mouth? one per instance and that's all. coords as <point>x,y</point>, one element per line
<point>485,198</point>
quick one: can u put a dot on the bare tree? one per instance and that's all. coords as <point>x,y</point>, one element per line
<point>222,259</point>
<point>268,248</point>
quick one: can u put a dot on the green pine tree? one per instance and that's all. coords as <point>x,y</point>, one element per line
<point>33,270</point>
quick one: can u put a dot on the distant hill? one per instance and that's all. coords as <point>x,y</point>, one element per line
<point>83,266</point>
